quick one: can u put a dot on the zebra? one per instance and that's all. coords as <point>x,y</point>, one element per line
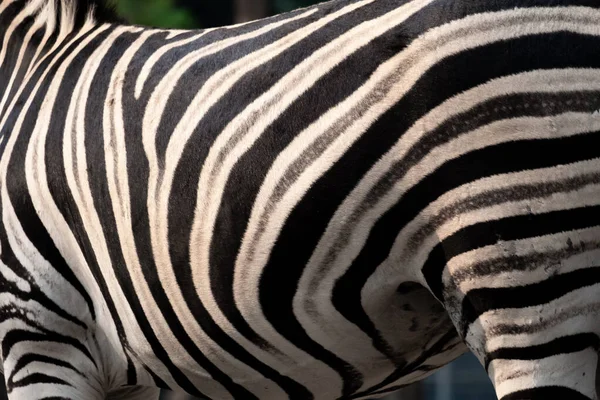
<point>330,203</point>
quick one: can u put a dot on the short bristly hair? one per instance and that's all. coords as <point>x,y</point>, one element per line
<point>81,10</point>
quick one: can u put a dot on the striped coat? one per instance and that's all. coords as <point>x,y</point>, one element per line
<point>327,204</point>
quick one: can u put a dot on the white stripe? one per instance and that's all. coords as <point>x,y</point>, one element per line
<point>267,108</point>
<point>25,252</point>
<point>410,256</point>
<point>50,216</point>
<point>550,371</point>
<point>255,249</point>
<point>519,248</point>
<point>76,171</point>
<point>156,55</point>
<point>482,29</point>
<point>4,5</point>
<point>31,8</point>
<point>574,312</point>
<point>38,23</point>
<point>80,383</point>
<point>211,92</point>
<point>118,184</point>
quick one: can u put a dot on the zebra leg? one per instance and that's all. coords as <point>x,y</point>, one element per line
<point>530,311</point>
<point>48,354</point>
<point>564,375</point>
<point>524,362</point>
<point>42,364</point>
<point>42,367</point>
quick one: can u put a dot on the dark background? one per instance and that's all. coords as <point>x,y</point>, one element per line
<point>201,13</point>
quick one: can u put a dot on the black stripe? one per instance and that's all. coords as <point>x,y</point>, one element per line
<point>37,378</point>
<point>491,161</point>
<point>7,66</point>
<point>207,66</point>
<point>479,301</point>
<point>131,372</point>
<point>138,171</point>
<point>498,196</point>
<point>97,175</point>
<point>6,71</point>
<point>519,227</point>
<point>545,393</point>
<point>18,193</point>
<point>9,14</point>
<point>64,199</point>
<point>437,348</point>
<point>157,380</point>
<point>320,202</point>
<point>562,345</point>
<point>27,359</point>
<point>226,232</point>
<point>247,176</point>
<point>441,82</point>
<point>16,336</point>
<point>14,45</point>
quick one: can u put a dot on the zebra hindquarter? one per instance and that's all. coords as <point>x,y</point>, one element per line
<point>522,276</point>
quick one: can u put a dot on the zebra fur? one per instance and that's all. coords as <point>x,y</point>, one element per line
<point>327,204</point>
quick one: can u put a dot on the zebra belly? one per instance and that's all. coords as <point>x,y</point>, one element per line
<point>412,337</point>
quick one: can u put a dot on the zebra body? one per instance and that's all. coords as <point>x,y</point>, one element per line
<point>325,204</point>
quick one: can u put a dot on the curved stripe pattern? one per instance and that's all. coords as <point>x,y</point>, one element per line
<point>326,204</point>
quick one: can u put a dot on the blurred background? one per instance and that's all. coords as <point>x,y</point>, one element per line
<point>188,14</point>
<point>464,379</point>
